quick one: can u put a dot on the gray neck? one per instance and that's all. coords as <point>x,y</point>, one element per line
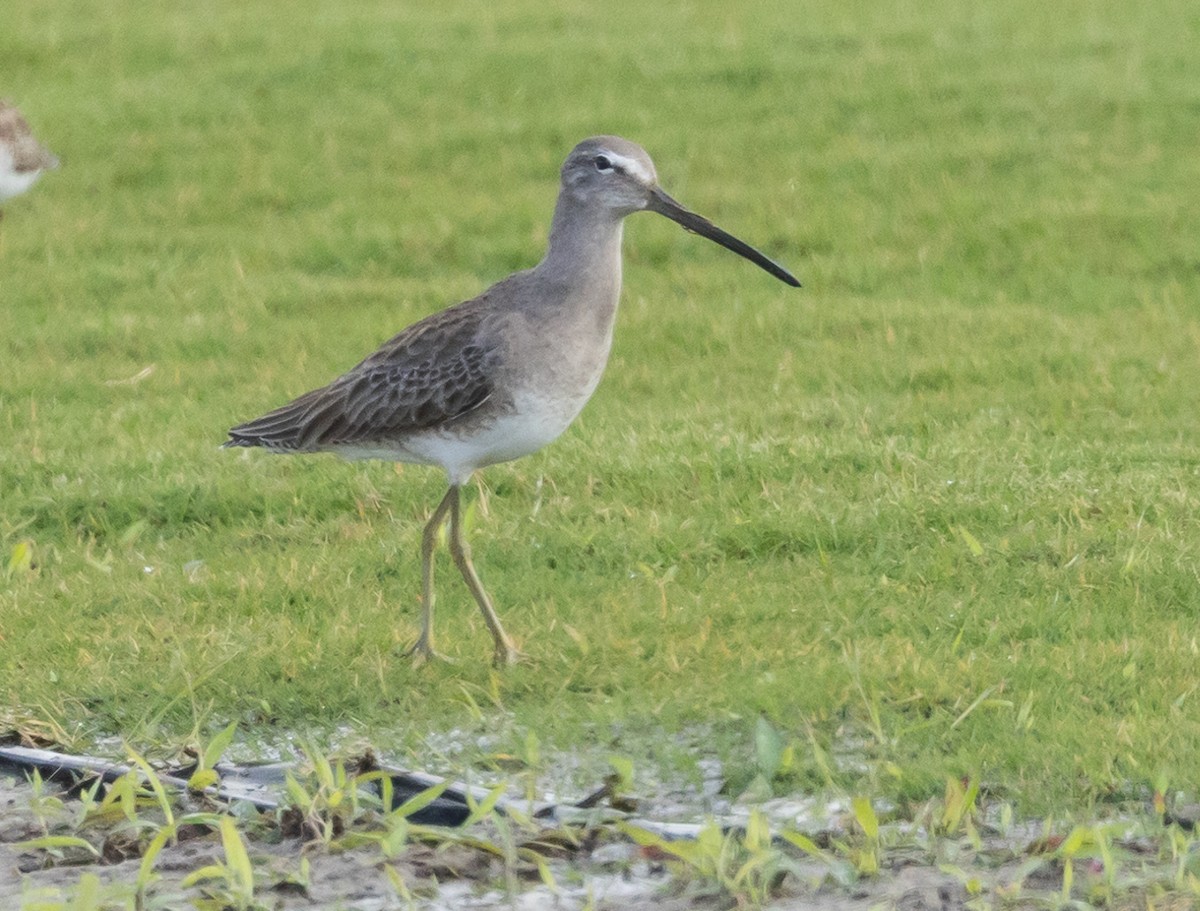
<point>585,252</point>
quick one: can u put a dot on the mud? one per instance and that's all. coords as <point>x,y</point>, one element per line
<point>606,871</point>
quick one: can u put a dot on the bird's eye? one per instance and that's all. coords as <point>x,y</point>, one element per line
<point>602,163</point>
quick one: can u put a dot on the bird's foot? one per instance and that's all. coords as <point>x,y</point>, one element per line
<point>507,654</point>
<point>422,651</point>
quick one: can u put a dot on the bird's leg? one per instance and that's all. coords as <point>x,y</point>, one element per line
<point>506,652</point>
<point>422,649</point>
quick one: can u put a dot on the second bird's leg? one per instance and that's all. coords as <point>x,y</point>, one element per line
<point>422,649</point>
<point>506,652</point>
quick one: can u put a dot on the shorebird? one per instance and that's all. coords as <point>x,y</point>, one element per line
<point>22,157</point>
<point>499,376</point>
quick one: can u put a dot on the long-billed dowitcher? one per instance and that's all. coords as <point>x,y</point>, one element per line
<point>499,376</point>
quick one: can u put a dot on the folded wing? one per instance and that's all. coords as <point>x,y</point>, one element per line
<point>430,374</point>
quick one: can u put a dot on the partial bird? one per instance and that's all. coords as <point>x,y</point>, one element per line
<point>499,376</point>
<point>22,157</point>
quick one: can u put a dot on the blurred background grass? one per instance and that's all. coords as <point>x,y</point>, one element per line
<point>935,513</point>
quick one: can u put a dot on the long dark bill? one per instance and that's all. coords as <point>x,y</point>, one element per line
<point>663,204</point>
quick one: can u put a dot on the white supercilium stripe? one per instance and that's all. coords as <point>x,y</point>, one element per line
<point>631,166</point>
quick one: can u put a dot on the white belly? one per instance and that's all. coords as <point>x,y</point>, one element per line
<point>546,394</point>
<point>532,424</point>
<point>13,182</point>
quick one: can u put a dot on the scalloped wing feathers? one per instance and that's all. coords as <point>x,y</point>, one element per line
<point>432,373</point>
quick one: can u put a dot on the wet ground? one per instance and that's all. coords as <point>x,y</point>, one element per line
<point>295,868</point>
<point>613,874</point>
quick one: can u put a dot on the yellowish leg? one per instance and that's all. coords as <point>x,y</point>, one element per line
<point>422,649</point>
<point>506,652</point>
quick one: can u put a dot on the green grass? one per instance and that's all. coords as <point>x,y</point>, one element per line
<point>937,510</point>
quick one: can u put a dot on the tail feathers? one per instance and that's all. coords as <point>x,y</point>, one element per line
<point>286,429</point>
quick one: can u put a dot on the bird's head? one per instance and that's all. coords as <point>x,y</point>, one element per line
<point>614,174</point>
